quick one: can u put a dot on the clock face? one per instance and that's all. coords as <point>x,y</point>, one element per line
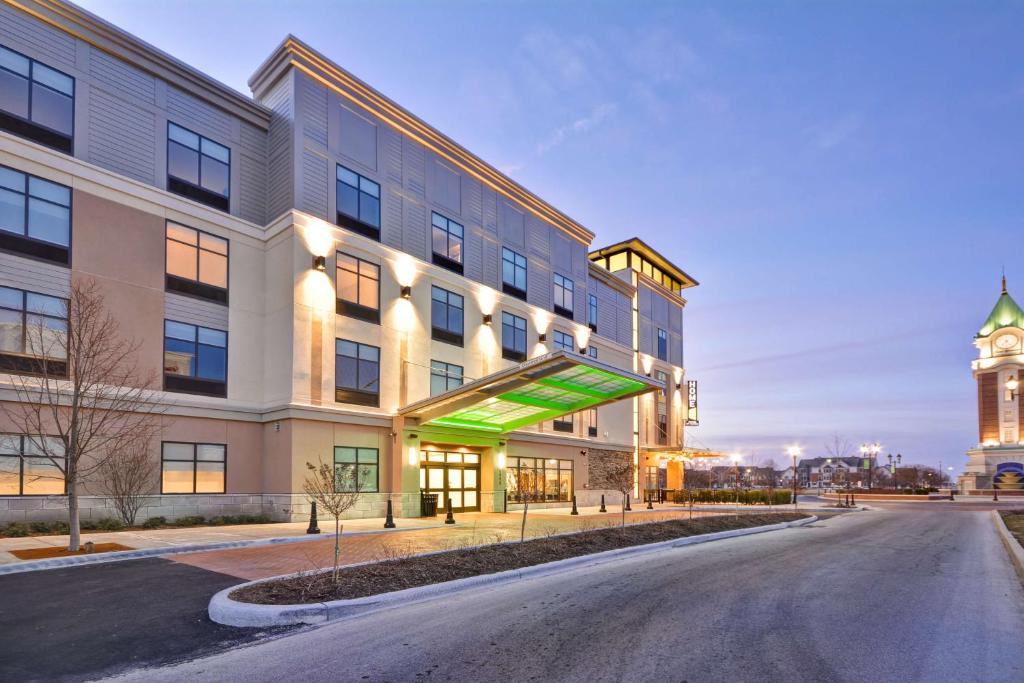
<point>1006,341</point>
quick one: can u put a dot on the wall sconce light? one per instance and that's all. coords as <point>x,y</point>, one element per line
<point>542,338</point>
<point>320,263</point>
<point>583,350</point>
<point>406,291</point>
<point>488,318</point>
<point>679,385</point>
<point>1011,387</point>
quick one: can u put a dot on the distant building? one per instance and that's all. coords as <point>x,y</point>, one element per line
<point>998,459</point>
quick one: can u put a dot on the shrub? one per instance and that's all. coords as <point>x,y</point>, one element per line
<point>14,530</point>
<point>56,527</point>
<point>745,497</point>
<point>109,524</point>
<point>154,523</point>
<point>88,525</point>
<point>191,520</point>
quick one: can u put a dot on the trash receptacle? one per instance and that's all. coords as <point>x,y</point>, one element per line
<point>428,504</point>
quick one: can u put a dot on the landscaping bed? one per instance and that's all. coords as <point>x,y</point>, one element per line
<point>410,572</point>
<point>50,553</point>
<point>60,528</point>
<point>1014,520</point>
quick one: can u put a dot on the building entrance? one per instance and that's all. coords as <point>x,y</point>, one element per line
<point>454,475</point>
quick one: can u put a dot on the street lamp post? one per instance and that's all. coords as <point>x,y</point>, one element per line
<point>870,451</point>
<point>736,470</point>
<point>794,452</point>
<point>893,469</point>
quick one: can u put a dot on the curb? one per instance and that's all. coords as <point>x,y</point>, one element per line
<point>224,610</point>
<point>1013,548</point>
<point>123,555</point>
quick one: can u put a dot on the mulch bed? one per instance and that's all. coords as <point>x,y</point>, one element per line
<point>47,553</point>
<point>398,574</point>
<point>1014,520</point>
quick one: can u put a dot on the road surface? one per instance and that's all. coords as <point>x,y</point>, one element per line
<point>916,595</point>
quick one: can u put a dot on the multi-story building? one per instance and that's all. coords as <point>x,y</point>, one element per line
<point>319,275</point>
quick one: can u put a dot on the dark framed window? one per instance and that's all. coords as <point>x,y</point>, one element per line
<point>356,373</point>
<point>539,479</point>
<point>197,263</point>
<point>592,422</point>
<point>592,352</point>
<point>37,102</point>
<point>35,216</point>
<point>662,350</point>
<point>26,470</point>
<point>513,273</point>
<point>356,469</point>
<point>33,333</point>
<point>447,241</point>
<point>563,296</point>
<point>661,407</point>
<point>444,377</point>
<point>193,467</point>
<point>358,203</point>
<point>563,341</point>
<point>195,359</point>
<point>513,337</point>
<point>446,316</point>
<point>592,311</point>
<point>198,167</point>
<point>563,423</point>
<point>358,288</point>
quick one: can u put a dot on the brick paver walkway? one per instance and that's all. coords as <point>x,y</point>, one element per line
<point>470,529</point>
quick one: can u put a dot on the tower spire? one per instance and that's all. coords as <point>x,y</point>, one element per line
<point>1004,280</point>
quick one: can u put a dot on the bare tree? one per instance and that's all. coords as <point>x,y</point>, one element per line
<point>336,490</point>
<point>129,475</point>
<point>86,396</point>
<point>839,447</point>
<point>620,478</point>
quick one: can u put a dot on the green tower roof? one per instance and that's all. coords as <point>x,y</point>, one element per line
<point>1006,314</point>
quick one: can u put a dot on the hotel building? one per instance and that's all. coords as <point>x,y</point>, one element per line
<point>318,275</point>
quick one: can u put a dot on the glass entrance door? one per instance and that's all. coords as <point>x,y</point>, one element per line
<point>453,475</point>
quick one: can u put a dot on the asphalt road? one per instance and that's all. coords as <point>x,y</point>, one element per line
<point>919,595</point>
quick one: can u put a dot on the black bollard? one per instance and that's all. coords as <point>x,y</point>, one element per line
<point>650,500</point>
<point>312,528</point>
<point>602,504</point>
<point>853,500</point>
<point>995,494</point>
<point>628,508</point>
<point>574,510</point>
<point>389,523</point>
<point>449,518</point>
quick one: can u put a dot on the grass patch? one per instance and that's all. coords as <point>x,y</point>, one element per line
<point>1014,520</point>
<point>409,572</point>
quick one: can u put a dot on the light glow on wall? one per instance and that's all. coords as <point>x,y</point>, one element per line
<point>646,362</point>
<point>316,290</point>
<point>404,268</point>
<point>413,456</point>
<point>487,300</point>
<point>318,239</point>
<point>582,337</point>
<point>542,321</point>
<point>501,460</point>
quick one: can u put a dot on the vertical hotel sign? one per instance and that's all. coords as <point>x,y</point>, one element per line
<point>691,403</point>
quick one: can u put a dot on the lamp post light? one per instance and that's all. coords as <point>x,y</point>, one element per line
<point>736,458</point>
<point>892,469</point>
<point>870,451</point>
<point>794,452</point>
<point>1012,384</point>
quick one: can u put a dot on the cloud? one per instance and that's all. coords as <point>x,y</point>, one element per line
<point>596,117</point>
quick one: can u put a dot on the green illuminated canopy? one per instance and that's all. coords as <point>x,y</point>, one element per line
<point>540,389</point>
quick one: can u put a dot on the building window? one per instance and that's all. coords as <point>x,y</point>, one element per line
<point>193,467</point>
<point>195,359</point>
<point>356,469</point>
<point>446,237</point>
<point>592,422</point>
<point>198,168</point>
<point>358,288</point>
<point>36,102</point>
<point>356,373</point>
<point>35,216</point>
<point>592,311</point>
<point>444,377</point>
<point>358,200</point>
<point>513,337</point>
<point>563,296</point>
<point>661,407</point>
<point>197,263</point>
<point>539,479</point>
<point>26,470</point>
<point>563,341</point>
<point>33,333</point>
<point>662,350</point>
<point>563,423</point>
<point>446,316</point>
<point>513,273</point>
<point>592,352</point>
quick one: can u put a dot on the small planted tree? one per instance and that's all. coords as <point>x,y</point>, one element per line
<point>619,477</point>
<point>84,397</point>
<point>129,475</point>
<point>336,489</point>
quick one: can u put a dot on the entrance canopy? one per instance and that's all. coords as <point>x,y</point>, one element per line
<point>539,389</point>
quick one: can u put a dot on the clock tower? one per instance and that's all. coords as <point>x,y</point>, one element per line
<point>998,459</point>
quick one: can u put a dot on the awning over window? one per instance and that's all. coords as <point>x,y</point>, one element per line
<point>539,389</point>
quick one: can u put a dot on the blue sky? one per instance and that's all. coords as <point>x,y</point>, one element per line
<point>843,179</point>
